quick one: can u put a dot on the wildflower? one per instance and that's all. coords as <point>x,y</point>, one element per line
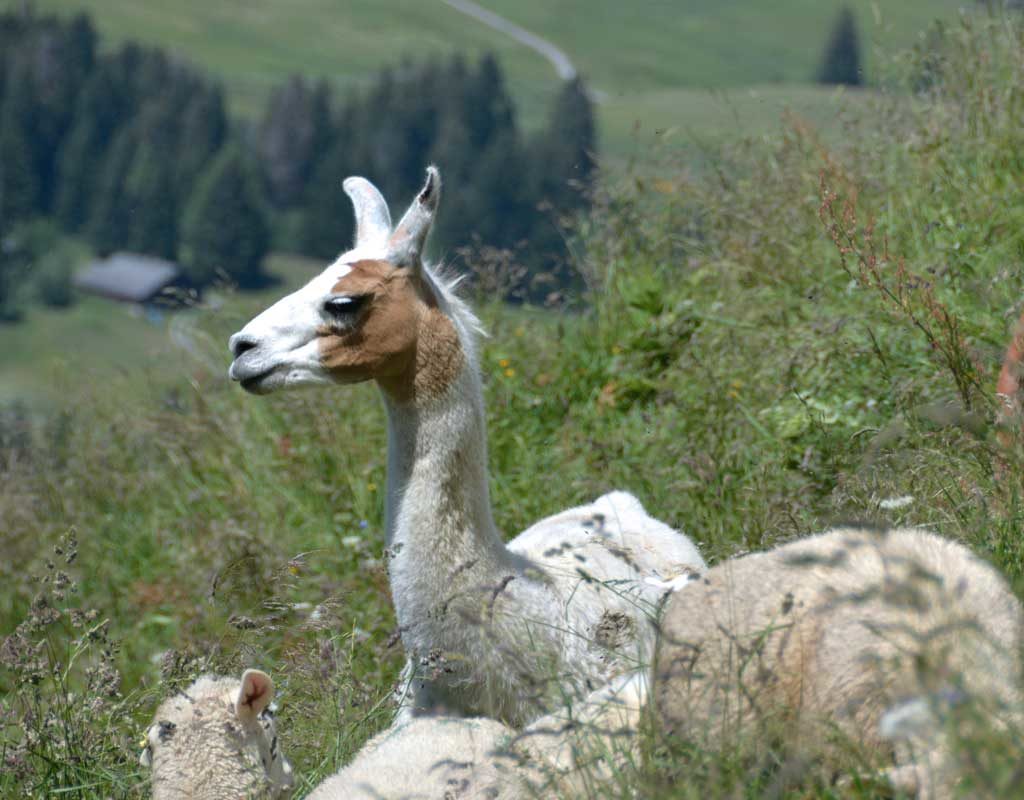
<point>503,363</point>
<point>893,503</point>
<point>616,349</point>
<point>371,486</point>
<point>363,524</point>
<point>351,541</point>
<point>510,373</point>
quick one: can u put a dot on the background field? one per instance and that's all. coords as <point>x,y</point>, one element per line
<point>653,62</point>
<point>685,76</point>
<point>728,365</point>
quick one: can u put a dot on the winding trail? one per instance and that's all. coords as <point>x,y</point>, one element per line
<point>559,60</point>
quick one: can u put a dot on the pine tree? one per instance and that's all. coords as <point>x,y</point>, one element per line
<point>110,217</point>
<point>287,138</point>
<point>565,152</point>
<point>150,192</point>
<point>327,226</point>
<point>224,228</point>
<point>203,126</point>
<point>488,107</point>
<point>500,188</point>
<point>840,63</point>
<point>564,168</point>
<point>20,190</point>
<point>104,107</point>
<point>56,60</point>
<point>453,156</point>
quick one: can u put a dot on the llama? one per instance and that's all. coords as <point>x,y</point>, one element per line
<point>217,741</point>
<point>884,636</point>
<point>495,630</point>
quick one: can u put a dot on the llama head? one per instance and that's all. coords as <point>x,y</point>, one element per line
<point>376,313</point>
<point>218,732</point>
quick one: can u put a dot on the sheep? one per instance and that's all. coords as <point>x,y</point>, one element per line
<point>425,758</point>
<point>458,758</point>
<point>217,741</point>
<point>879,634</point>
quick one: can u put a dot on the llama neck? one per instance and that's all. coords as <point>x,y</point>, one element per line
<point>440,531</point>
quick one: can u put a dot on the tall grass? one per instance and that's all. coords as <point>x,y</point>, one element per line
<point>775,345</point>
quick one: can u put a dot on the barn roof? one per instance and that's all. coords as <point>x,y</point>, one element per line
<point>127,276</point>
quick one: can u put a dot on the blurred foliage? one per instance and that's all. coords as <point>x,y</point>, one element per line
<point>119,145</point>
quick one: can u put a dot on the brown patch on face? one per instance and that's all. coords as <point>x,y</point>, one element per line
<point>401,339</point>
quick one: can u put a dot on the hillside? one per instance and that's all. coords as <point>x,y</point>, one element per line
<point>809,335</point>
<point>653,62</point>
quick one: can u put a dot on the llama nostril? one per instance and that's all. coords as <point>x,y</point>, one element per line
<point>240,343</point>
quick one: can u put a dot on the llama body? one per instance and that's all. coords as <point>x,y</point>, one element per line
<point>493,630</point>
<point>845,629</point>
<point>217,741</point>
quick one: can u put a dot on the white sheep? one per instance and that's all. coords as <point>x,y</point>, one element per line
<point>424,758</point>
<point>880,634</point>
<point>566,754</point>
<point>217,741</point>
<point>492,629</point>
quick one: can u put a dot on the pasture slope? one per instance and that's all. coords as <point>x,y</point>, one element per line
<point>732,367</point>
<point>642,56</point>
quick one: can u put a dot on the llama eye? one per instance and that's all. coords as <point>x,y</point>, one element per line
<point>344,306</point>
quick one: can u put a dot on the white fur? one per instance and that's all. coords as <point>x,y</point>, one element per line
<point>209,743</point>
<point>878,635</point>
<point>568,754</point>
<point>501,631</point>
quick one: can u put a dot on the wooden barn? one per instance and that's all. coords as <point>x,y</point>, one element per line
<point>128,277</point>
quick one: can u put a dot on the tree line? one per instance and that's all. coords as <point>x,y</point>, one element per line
<point>133,150</point>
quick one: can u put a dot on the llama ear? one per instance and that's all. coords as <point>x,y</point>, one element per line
<point>406,244</point>
<point>254,696</point>
<point>373,220</point>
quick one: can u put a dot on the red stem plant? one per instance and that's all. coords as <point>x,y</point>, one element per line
<point>873,267</point>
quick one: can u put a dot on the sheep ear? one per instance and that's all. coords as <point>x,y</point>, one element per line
<point>406,244</point>
<point>254,696</point>
<point>373,219</point>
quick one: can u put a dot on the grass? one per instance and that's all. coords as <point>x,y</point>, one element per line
<point>747,379</point>
<point>698,119</point>
<point>653,62</point>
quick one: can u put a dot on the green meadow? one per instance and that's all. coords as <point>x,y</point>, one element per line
<point>654,64</point>
<point>783,341</point>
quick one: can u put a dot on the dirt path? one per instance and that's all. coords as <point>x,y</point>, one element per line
<point>559,60</point>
